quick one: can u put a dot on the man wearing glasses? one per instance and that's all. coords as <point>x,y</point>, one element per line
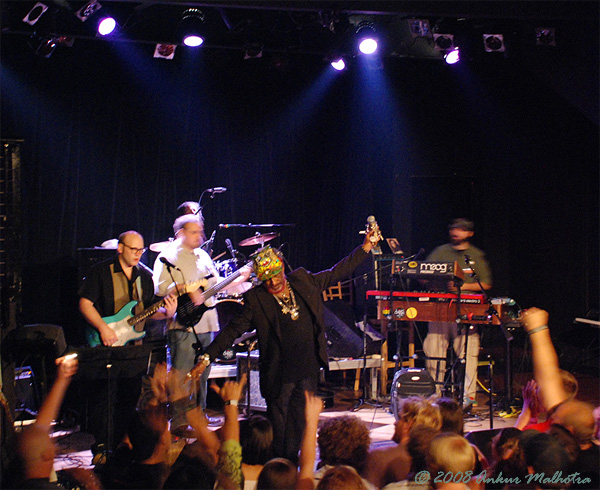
<point>110,286</point>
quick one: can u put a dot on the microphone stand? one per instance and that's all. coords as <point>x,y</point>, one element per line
<point>492,311</point>
<point>363,399</point>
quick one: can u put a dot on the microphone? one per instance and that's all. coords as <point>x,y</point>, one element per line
<point>216,190</point>
<point>467,259</point>
<point>414,256</point>
<point>230,248</point>
<point>167,263</point>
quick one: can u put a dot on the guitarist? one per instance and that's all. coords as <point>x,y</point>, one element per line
<point>110,285</point>
<point>184,261</point>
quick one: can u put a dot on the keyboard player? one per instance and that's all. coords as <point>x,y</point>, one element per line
<point>441,333</point>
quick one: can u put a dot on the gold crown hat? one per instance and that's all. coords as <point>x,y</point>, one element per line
<point>267,263</point>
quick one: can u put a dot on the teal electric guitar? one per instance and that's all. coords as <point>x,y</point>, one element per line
<point>123,322</point>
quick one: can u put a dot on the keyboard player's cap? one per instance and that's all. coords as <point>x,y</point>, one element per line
<point>463,224</point>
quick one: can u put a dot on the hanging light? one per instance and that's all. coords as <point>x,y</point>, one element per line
<point>190,26</point>
<point>366,36</point>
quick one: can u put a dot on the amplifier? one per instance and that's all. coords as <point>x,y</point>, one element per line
<point>257,402</point>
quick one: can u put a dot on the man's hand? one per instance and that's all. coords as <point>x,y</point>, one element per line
<point>197,370</point>
<point>170,305</point>
<point>232,390</point>
<point>109,337</point>
<point>67,366</point>
<point>367,243</point>
<point>530,398</point>
<point>314,406</point>
<point>534,318</point>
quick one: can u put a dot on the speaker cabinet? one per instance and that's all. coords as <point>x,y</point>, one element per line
<point>410,382</point>
<point>257,402</point>
<point>344,339</point>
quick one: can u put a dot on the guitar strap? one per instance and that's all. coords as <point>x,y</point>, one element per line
<point>123,294</point>
<point>139,308</point>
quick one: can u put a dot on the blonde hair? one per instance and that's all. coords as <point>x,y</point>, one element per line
<point>449,452</point>
<point>416,410</point>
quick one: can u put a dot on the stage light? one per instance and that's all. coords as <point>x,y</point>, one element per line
<point>42,46</point>
<point>493,43</point>
<point>190,27</point>
<point>452,57</point>
<point>165,51</point>
<point>338,64</point>
<point>107,26</point>
<point>89,9</point>
<point>35,13</point>
<point>545,36</point>
<point>443,42</point>
<point>366,35</point>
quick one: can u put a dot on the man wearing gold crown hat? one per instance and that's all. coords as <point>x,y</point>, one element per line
<point>287,312</point>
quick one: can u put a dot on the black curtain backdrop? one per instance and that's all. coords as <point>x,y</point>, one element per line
<point>115,140</point>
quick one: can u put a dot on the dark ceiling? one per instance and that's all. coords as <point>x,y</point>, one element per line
<point>309,27</point>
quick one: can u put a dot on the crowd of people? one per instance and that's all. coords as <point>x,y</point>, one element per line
<point>429,451</point>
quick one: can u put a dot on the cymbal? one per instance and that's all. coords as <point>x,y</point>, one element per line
<point>258,239</point>
<point>160,246</point>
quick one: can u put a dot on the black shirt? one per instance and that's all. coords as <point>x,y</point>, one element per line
<point>299,354</point>
<point>98,285</point>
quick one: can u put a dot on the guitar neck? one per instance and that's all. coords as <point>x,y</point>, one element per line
<point>134,320</point>
<point>210,292</point>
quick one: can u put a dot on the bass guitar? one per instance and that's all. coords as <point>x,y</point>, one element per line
<point>123,322</point>
<point>189,313</point>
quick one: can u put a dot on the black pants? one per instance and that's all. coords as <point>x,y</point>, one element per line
<point>286,413</point>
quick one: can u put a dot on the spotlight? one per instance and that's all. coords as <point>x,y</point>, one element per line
<point>545,36</point>
<point>43,46</point>
<point>452,57</point>
<point>493,43</point>
<point>89,9</point>
<point>35,13</point>
<point>190,26</point>
<point>339,64</point>
<point>443,42</point>
<point>166,51</point>
<point>367,37</point>
<point>107,26</point>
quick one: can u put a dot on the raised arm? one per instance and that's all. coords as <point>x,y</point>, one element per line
<point>195,416</point>
<point>229,473</point>
<point>545,360</point>
<point>308,448</point>
<point>67,367</point>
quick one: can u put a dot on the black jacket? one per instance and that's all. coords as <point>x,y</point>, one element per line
<point>261,313</point>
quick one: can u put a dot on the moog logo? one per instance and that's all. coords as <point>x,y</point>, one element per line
<point>432,267</point>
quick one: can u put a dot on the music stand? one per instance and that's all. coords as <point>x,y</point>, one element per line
<point>112,363</point>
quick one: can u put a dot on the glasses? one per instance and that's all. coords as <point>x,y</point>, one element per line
<point>136,251</point>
